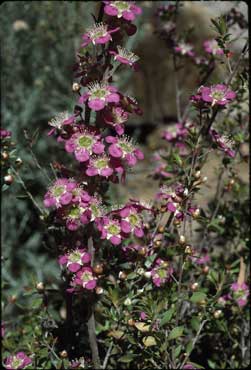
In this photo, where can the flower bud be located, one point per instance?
(40, 287)
(18, 162)
(63, 354)
(76, 87)
(202, 303)
(163, 209)
(147, 274)
(161, 229)
(99, 290)
(217, 314)
(194, 286)
(5, 156)
(142, 251)
(157, 244)
(122, 275)
(204, 179)
(196, 213)
(231, 182)
(185, 192)
(140, 271)
(182, 239)
(176, 222)
(205, 270)
(98, 269)
(131, 322)
(197, 175)
(127, 302)
(12, 299)
(8, 179)
(188, 249)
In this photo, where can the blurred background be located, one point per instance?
(39, 44)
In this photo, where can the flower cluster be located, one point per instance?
(18, 361)
(184, 49)
(98, 34)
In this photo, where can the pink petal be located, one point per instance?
(74, 267)
(98, 148)
(91, 171)
(113, 98)
(96, 104)
(82, 155)
(125, 226)
(115, 151)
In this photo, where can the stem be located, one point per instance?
(107, 356)
(91, 321)
(178, 93)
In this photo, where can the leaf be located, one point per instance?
(177, 351)
(127, 358)
(149, 341)
(195, 323)
(197, 297)
(167, 317)
(117, 334)
(142, 326)
(176, 332)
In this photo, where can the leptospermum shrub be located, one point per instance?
(159, 284)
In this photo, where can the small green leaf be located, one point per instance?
(197, 297)
(149, 341)
(167, 317)
(127, 358)
(176, 332)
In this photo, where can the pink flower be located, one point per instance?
(161, 272)
(125, 57)
(123, 148)
(99, 95)
(60, 193)
(85, 279)
(110, 229)
(5, 133)
(184, 49)
(212, 47)
(99, 166)
(143, 315)
(177, 132)
(84, 144)
(122, 9)
(240, 293)
(131, 221)
(217, 94)
(98, 34)
(115, 117)
(75, 259)
(62, 119)
(171, 199)
(18, 361)
(224, 143)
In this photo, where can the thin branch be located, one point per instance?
(107, 356)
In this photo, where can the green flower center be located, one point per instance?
(101, 163)
(113, 229)
(74, 213)
(94, 210)
(217, 95)
(133, 219)
(58, 190)
(162, 274)
(100, 94)
(16, 362)
(85, 141)
(86, 276)
(121, 5)
(74, 257)
(126, 147)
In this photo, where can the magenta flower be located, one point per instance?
(5, 133)
(75, 259)
(240, 293)
(85, 279)
(125, 56)
(98, 34)
(110, 229)
(60, 193)
(122, 9)
(217, 94)
(99, 95)
(116, 117)
(18, 361)
(161, 272)
(84, 144)
(171, 199)
(62, 119)
(223, 142)
(143, 315)
(184, 49)
(123, 148)
(131, 221)
(99, 166)
(212, 47)
(177, 132)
